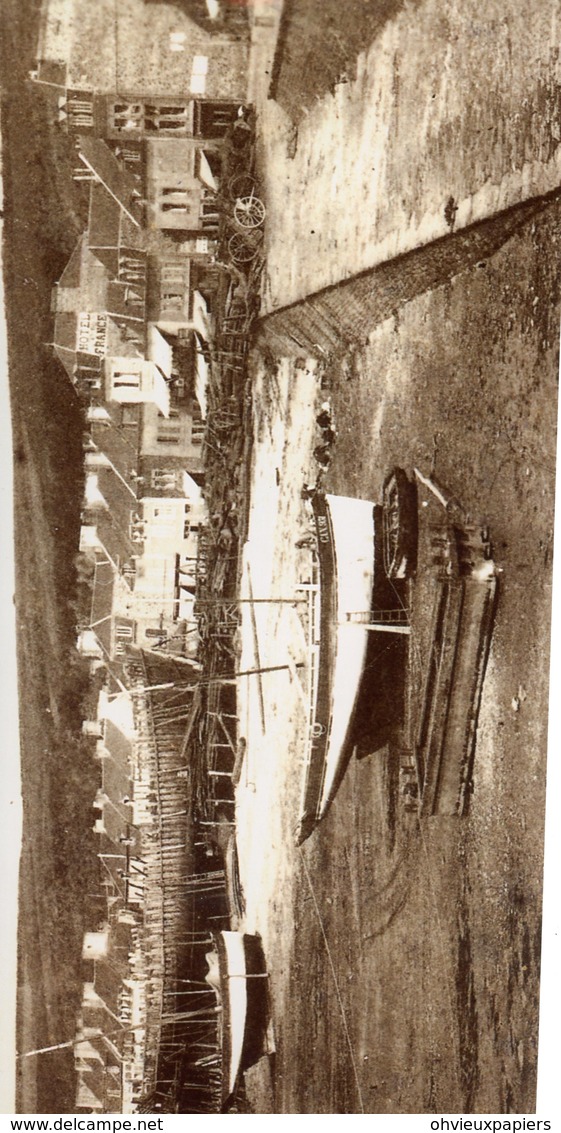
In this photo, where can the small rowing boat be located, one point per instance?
(238, 974)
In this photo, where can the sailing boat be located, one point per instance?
(345, 561)
(358, 542)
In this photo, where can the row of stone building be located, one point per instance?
(146, 92)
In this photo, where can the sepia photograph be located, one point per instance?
(282, 305)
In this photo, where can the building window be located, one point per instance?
(209, 215)
(168, 438)
(163, 480)
(178, 206)
(124, 632)
(132, 268)
(212, 119)
(132, 296)
(124, 635)
(170, 427)
(122, 380)
(172, 300)
(88, 381)
(209, 206)
(175, 206)
(174, 192)
(173, 286)
(79, 112)
(149, 118)
(127, 117)
(169, 119)
(197, 425)
(177, 40)
(172, 271)
(130, 156)
(129, 415)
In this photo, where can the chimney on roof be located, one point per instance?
(92, 728)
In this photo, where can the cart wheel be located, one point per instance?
(242, 185)
(239, 249)
(249, 211)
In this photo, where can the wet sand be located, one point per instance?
(404, 955)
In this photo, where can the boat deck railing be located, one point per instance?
(311, 611)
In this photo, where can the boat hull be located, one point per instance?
(242, 985)
(345, 549)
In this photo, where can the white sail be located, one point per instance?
(353, 532)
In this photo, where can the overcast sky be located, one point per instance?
(10, 791)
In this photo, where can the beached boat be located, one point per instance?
(459, 591)
(238, 974)
(363, 554)
(339, 623)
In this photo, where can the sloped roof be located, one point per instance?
(104, 226)
(119, 183)
(112, 868)
(119, 295)
(232, 18)
(85, 280)
(109, 257)
(118, 443)
(65, 329)
(121, 503)
(101, 610)
(102, 593)
(120, 747)
(72, 272)
(67, 359)
(86, 1097)
(115, 541)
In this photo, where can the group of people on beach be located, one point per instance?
(324, 420)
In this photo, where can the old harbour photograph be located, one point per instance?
(283, 300)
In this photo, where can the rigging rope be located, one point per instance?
(334, 974)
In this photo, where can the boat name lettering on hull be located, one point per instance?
(322, 528)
